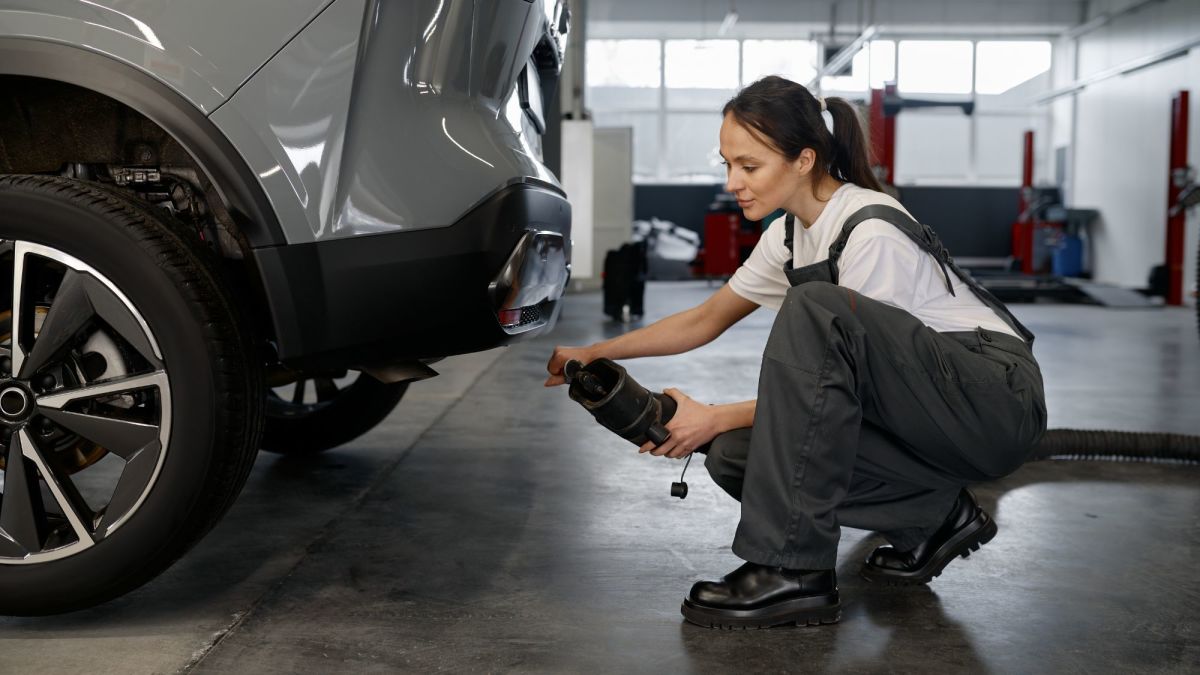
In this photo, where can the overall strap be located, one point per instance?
(928, 241)
(823, 270)
(789, 230)
(922, 235)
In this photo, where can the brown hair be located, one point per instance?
(789, 117)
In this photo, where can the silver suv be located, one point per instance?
(227, 225)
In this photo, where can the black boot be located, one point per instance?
(966, 529)
(757, 596)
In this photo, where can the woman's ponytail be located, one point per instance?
(851, 162)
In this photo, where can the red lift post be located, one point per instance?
(1022, 229)
(1027, 173)
(1177, 179)
(883, 136)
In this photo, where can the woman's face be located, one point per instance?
(762, 179)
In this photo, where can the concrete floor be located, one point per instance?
(489, 525)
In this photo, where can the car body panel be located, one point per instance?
(416, 138)
(289, 121)
(189, 45)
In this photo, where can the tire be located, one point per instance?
(299, 425)
(189, 425)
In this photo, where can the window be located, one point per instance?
(623, 74)
(623, 63)
(855, 81)
(1004, 65)
(621, 98)
(701, 75)
(935, 67)
(692, 146)
(873, 65)
(702, 64)
(883, 63)
(671, 92)
(793, 59)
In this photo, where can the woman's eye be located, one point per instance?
(749, 169)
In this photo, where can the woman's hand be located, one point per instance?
(559, 359)
(693, 425)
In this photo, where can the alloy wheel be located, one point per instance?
(85, 405)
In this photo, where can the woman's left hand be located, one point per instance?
(693, 425)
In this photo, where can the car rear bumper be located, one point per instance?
(495, 276)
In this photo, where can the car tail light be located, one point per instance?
(522, 316)
(510, 317)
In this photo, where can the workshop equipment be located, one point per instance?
(621, 405)
(1039, 229)
(1189, 198)
(624, 280)
(1180, 175)
(1069, 254)
(1050, 256)
(728, 238)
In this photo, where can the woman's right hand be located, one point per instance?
(559, 359)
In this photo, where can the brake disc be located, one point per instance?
(102, 356)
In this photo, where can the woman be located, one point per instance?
(889, 380)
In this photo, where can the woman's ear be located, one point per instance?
(804, 163)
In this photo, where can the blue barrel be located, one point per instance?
(1067, 260)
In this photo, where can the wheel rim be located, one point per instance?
(80, 371)
(299, 399)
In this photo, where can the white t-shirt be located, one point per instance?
(879, 261)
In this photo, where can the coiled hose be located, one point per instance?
(1084, 444)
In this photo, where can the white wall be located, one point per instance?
(1122, 135)
(613, 192)
(578, 176)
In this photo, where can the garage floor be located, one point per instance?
(489, 525)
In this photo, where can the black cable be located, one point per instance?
(680, 489)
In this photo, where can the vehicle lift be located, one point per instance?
(1042, 226)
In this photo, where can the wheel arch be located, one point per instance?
(211, 152)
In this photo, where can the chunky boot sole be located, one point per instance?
(974, 534)
(812, 611)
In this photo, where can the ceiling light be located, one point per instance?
(731, 18)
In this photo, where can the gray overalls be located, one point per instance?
(868, 418)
